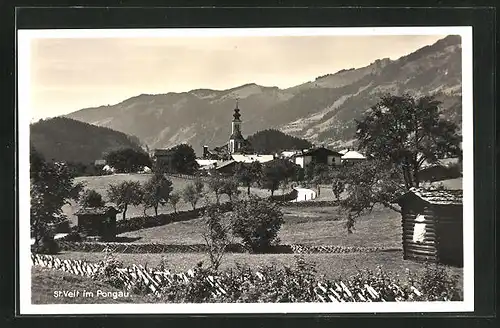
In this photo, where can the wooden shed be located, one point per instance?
(432, 223)
(97, 222)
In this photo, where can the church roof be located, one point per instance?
(236, 135)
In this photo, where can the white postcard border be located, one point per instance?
(24, 38)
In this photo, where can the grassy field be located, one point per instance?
(309, 225)
(45, 282)
(101, 184)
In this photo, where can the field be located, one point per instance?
(309, 225)
(101, 184)
(316, 225)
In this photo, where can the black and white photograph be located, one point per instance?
(241, 170)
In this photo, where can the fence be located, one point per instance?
(154, 281)
(202, 248)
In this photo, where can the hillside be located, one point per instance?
(322, 111)
(272, 141)
(64, 139)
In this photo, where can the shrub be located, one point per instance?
(47, 246)
(437, 284)
(257, 221)
(91, 198)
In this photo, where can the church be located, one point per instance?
(236, 144)
(236, 140)
(237, 149)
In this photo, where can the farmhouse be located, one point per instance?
(163, 156)
(319, 155)
(352, 156)
(97, 222)
(226, 167)
(432, 223)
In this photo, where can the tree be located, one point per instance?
(156, 191)
(183, 159)
(369, 183)
(257, 221)
(216, 184)
(338, 181)
(191, 194)
(248, 174)
(320, 175)
(127, 160)
(230, 188)
(408, 132)
(125, 194)
(276, 171)
(174, 200)
(91, 198)
(52, 186)
(216, 235)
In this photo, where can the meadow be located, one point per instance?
(313, 225)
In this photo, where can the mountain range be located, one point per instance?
(322, 111)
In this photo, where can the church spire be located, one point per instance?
(237, 114)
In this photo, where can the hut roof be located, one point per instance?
(96, 210)
(436, 196)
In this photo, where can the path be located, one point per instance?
(304, 194)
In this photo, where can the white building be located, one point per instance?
(317, 156)
(252, 158)
(353, 156)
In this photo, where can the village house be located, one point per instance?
(432, 222)
(352, 156)
(319, 155)
(163, 157)
(97, 222)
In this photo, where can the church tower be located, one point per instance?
(236, 140)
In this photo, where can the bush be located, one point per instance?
(47, 246)
(257, 221)
(437, 284)
(91, 198)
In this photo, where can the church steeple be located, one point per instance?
(236, 140)
(236, 114)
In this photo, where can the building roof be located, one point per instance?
(436, 196)
(236, 135)
(224, 164)
(252, 158)
(289, 153)
(343, 151)
(314, 151)
(96, 210)
(352, 154)
(204, 162)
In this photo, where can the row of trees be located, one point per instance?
(271, 175)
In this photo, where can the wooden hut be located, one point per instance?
(97, 222)
(432, 223)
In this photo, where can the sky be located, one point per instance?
(68, 74)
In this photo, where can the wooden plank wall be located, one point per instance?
(420, 251)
